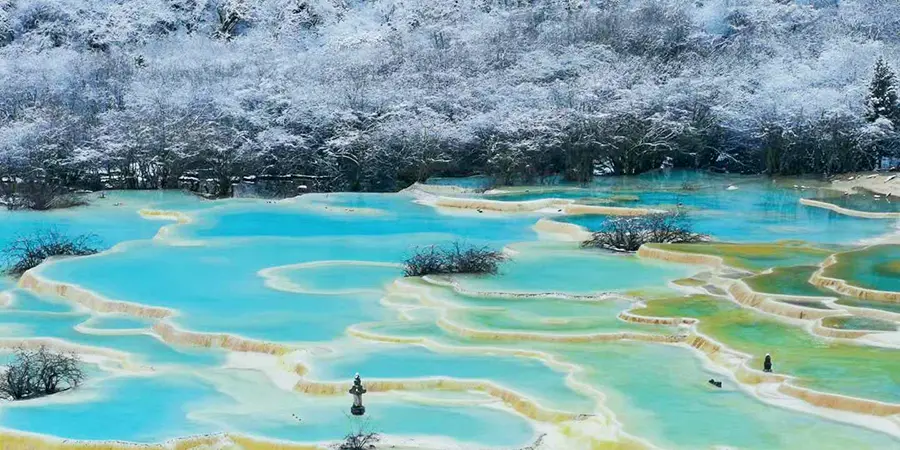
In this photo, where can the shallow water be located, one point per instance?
(876, 267)
(756, 257)
(574, 271)
(667, 396)
(253, 406)
(859, 323)
(746, 209)
(861, 201)
(832, 366)
(387, 361)
(790, 280)
(137, 409)
(320, 276)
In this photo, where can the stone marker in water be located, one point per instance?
(357, 391)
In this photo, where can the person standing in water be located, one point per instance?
(767, 364)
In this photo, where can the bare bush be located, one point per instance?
(361, 438)
(456, 258)
(38, 373)
(360, 441)
(627, 234)
(424, 261)
(39, 196)
(26, 252)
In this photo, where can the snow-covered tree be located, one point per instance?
(883, 95)
(378, 94)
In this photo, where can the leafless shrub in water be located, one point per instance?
(627, 234)
(38, 373)
(27, 251)
(455, 258)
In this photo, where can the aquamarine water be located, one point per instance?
(757, 212)
(341, 276)
(320, 275)
(668, 399)
(256, 407)
(574, 271)
(143, 348)
(391, 361)
(136, 409)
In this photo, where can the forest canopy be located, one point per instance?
(375, 95)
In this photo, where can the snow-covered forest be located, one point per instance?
(377, 94)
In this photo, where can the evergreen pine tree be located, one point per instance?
(883, 95)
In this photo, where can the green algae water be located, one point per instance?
(865, 371)
(876, 267)
(790, 280)
(246, 321)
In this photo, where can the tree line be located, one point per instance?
(373, 96)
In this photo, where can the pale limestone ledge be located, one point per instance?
(867, 312)
(609, 210)
(841, 286)
(275, 277)
(512, 399)
(837, 333)
(308, 202)
(11, 440)
(172, 335)
(167, 332)
(86, 328)
(649, 320)
(228, 441)
(21, 441)
(743, 294)
(849, 212)
(419, 189)
(558, 205)
(444, 281)
(650, 252)
(770, 304)
(875, 338)
(489, 335)
(155, 214)
(566, 231)
(841, 402)
(167, 232)
(498, 205)
(437, 196)
(32, 281)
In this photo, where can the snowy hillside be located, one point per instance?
(373, 95)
